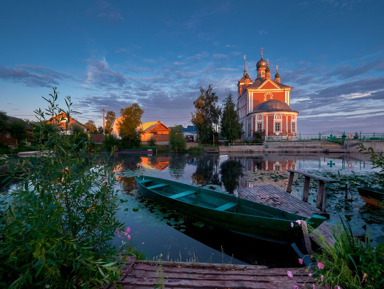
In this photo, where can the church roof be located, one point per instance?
(259, 81)
(272, 105)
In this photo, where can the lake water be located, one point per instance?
(159, 232)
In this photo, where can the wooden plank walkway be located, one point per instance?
(278, 198)
(149, 274)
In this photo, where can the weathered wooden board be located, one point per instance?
(149, 274)
(278, 198)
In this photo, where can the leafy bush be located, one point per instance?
(196, 150)
(56, 224)
(110, 142)
(351, 263)
(177, 141)
(152, 142)
(377, 160)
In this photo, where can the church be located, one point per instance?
(264, 105)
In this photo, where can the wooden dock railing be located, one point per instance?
(322, 191)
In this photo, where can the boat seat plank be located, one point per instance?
(182, 194)
(226, 206)
(158, 186)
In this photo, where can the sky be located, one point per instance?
(111, 54)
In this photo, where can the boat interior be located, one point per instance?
(208, 199)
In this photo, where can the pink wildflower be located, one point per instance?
(117, 232)
(298, 222)
(322, 278)
(300, 261)
(320, 265)
(313, 286)
(365, 275)
(310, 274)
(291, 224)
(142, 243)
(289, 273)
(337, 287)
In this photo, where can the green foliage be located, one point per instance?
(207, 114)
(3, 122)
(351, 263)
(56, 224)
(91, 127)
(377, 160)
(230, 126)
(152, 142)
(110, 142)
(196, 150)
(177, 141)
(41, 132)
(18, 129)
(128, 131)
(110, 118)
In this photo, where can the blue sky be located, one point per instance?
(159, 53)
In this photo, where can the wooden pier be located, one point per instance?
(189, 275)
(160, 274)
(278, 198)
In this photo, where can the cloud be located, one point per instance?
(100, 75)
(105, 10)
(122, 50)
(219, 55)
(33, 76)
(262, 32)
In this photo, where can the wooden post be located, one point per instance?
(290, 182)
(320, 193)
(307, 181)
(325, 197)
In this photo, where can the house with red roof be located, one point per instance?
(66, 123)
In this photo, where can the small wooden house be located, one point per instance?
(66, 123)
(156, 130)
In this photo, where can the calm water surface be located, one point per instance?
(160, 232)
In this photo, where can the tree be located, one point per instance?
(58, 221)
(18, 129)
(111, 116)
(129, 128)
(207, 114)
(230, 126)
(3, 122)
(177, 141)
(91, 127)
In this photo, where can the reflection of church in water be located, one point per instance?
(267, 163)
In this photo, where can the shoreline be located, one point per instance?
(310, 147)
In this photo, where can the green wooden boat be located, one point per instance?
(227, 211)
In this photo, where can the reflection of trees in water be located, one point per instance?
(206, 170)
(231, 171)
(153, 160)
(177, 165)
(128, 183)
(130, 162)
